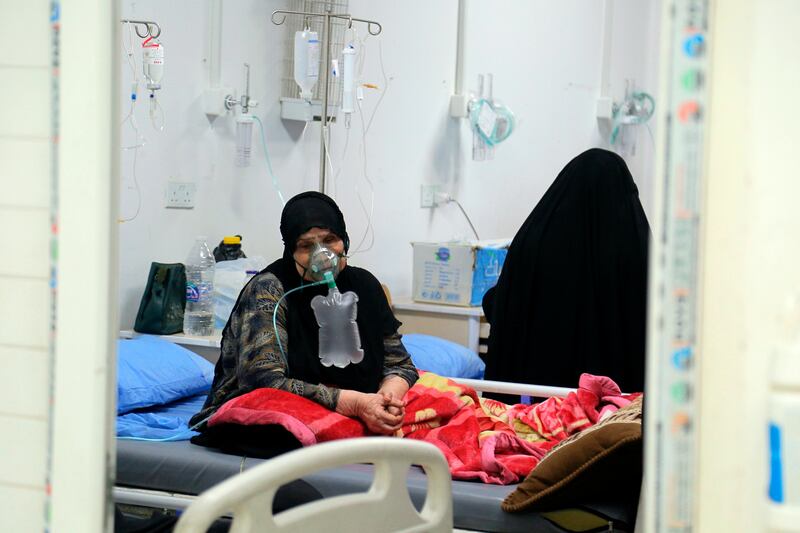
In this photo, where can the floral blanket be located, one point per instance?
(482, 439)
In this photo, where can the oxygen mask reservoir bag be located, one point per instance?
(336, 313)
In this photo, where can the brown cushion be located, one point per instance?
(602, 460)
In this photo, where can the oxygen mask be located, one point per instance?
(324, 263)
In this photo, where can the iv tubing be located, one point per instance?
(269, 163)
(327, 139)
(369, 230)
(138, 190)
(275, 317)
(365, 127)
(139, 140)
(385, 88)
(341, 164)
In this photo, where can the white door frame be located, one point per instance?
(83, 456)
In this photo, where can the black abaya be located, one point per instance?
(572, 294)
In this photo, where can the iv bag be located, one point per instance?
(339, 340)
(153, 65)
(306, 62)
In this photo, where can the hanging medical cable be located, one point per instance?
(334, 173)
(136, 188)
(341, 164)
(139, 140)
(326, 139)
(445, 198)
(132, 64)
(349, 75)
(129, 52)
(275, 184)
(471, 225)
(275, 317)
(352, 64)
(650, 134)
(370, 229)
(303, 132)
(385, 87)
(308, 161)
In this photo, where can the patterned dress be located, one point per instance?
(251, 357)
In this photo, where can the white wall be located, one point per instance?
(24, 294)
(546, 60)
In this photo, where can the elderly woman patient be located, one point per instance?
(372, 389)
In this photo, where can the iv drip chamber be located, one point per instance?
(348, 80)
(349, 67)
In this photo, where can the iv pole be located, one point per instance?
(326, 38)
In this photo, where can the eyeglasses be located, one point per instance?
(306, 245)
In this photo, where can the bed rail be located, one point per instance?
(386, 506)
(521, 389)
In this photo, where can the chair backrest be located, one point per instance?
(388, 293)
(385, 507)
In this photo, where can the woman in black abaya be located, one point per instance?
(252, 353)
(572, 294)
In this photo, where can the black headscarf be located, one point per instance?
(571, 297)
(308, 210)
(375, 318)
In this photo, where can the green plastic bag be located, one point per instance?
(163, 301)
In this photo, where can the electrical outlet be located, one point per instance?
(428, 195)
(180, 195)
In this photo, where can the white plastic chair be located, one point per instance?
(385, 507)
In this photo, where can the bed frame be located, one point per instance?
(466, 495)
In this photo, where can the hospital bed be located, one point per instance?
(171, 475)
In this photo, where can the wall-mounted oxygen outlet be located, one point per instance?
(428, 195)
(180, 195)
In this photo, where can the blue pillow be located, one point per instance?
(443, 357)
(152, 371)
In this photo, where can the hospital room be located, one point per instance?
(383, 266)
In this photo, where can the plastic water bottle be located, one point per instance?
(339, 341)
(198, 318)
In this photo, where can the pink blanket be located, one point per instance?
(480, 438)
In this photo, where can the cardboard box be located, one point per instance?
(456, 273)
